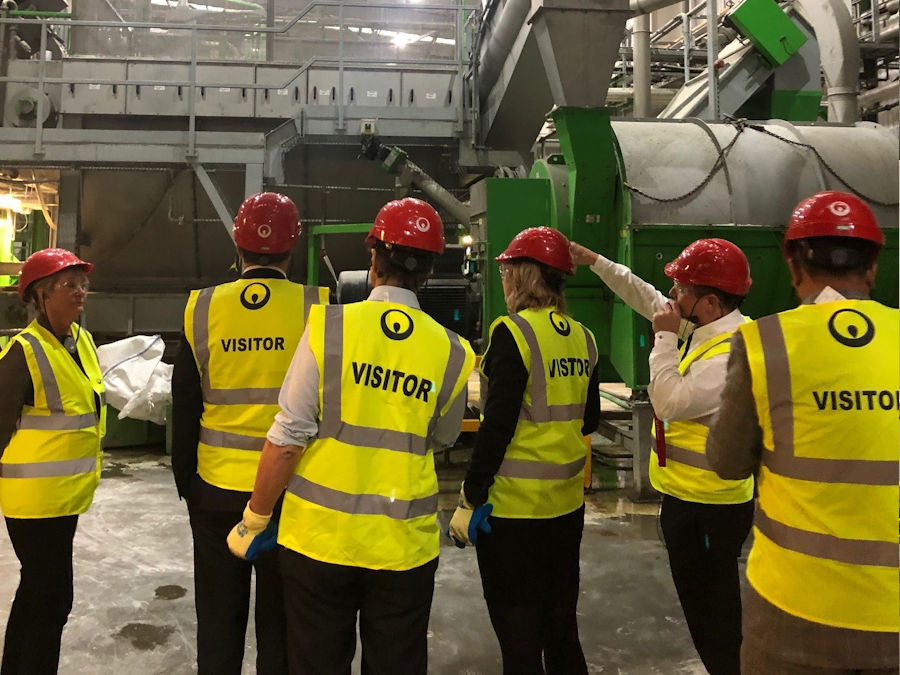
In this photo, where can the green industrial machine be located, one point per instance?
(582, 192)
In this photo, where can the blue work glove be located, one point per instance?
(468, 521)
(255, 534)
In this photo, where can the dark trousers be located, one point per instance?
(323, 600)
(44, 596)
(530, 575)
(704, 542)
(222, 596)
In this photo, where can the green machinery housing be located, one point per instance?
(583, 191)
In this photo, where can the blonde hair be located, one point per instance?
(529, 288)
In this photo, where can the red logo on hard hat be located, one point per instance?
(839, 208)
(264, 231)
(422, 224)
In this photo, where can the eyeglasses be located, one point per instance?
(74, 286)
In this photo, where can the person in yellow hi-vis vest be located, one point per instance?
(52, 419)
(810, 402)
(540, 393)
(374, 388)
(704, 519)
(238, 343)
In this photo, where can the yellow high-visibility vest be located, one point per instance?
(243, 335)
(365, 491)
(51, 466)
(541, 473)
(687, 474)
(825, 382)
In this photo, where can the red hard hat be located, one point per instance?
(543, 244)
(712, 262)
(833, 214)
(408, 222)
(45, 263)
(267, 222)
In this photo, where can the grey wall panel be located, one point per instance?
(429, 90)
(279, 101)
(158, 99)
(93, 98)
(222, 92)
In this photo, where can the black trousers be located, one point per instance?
(704, 542)
(530, 575)
(222, 596)
(44, 596)
(323, 600)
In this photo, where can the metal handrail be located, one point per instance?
(458, 64)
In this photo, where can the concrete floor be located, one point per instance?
(134, 610)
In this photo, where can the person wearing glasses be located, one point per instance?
(705, 519)
(52, 419)
(522, 500)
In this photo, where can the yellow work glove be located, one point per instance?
(253, 535)
(468, 521)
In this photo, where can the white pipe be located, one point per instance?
(712, 53)
(646, 6)
(883, 93)
(839, 54)
(641, 56)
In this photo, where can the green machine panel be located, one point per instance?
(646, 250)
(513, 205)
(770, 30)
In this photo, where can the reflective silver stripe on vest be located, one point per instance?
(456, 359)
(553, 413)
(331, 425)
(58, 422)
(698, 460)
(539, 410)
(244, 396)
(48, 377)
(366, 504)
(223, 439)
(781, 411)
(201, 336)
(519, 468)
(239, 396)
(64, 467)
(310, 298)
(826, 546)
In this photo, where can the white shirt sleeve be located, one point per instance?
(296, 423)
(447, 428)
(677, 397)
(642, 297)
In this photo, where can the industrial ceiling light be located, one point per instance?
(10, 203)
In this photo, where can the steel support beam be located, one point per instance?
(67, 225)
(215, 196)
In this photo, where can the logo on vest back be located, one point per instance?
(851, 328)
(396, 324)
(255, 296)
(560, 324)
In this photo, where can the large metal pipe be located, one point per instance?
(839, 54)
(641, 42)
(712, 53)
(647, 6)
(498, 40)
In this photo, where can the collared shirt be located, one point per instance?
(297, 421)
(734, 450)
(674, 397)
(698, 392)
